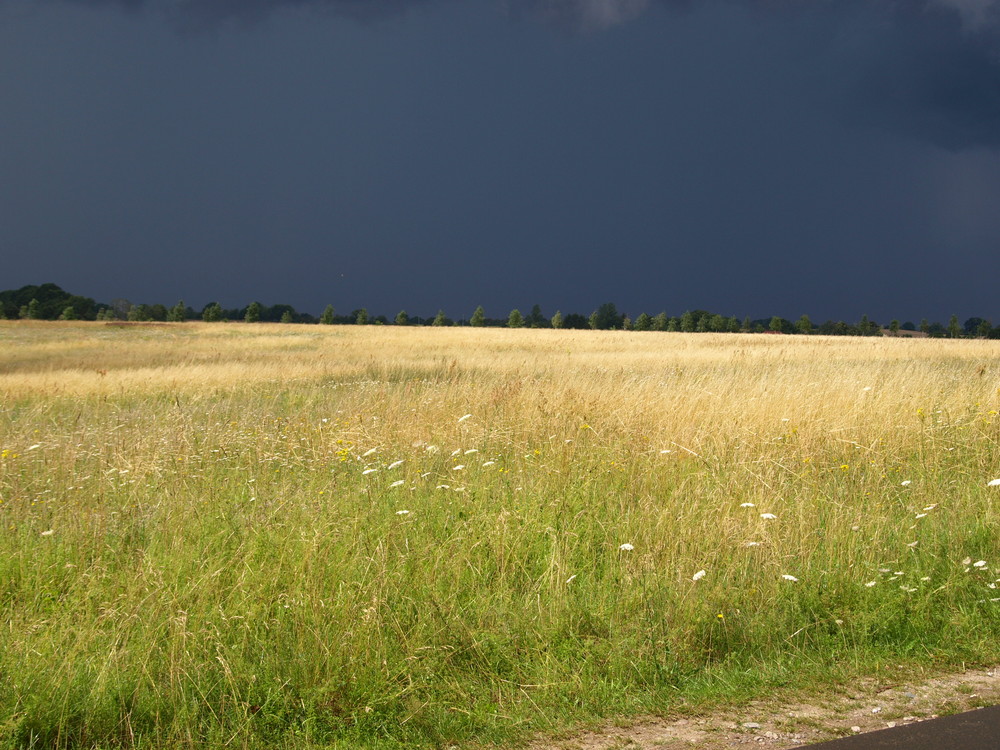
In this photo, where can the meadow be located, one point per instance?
(292, 536)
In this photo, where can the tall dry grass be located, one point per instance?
(368, 536)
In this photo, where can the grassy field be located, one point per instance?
(358, 537)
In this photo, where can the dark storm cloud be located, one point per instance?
(929, 69)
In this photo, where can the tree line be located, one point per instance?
(50, 302)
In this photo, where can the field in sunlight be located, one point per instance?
(365, 536)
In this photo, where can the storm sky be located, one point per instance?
(750, 157)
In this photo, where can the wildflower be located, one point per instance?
(931, 507)
(369, 452)
(464, 417)
(471, 450)
(967, 561)
(369, 471)
(397, 483)
(921, 515)
(570, 579)
(905, 483)
(991, 483)
(747, 505)
(48, 532)
(456, 452)
(870, 584)
(663, 452)
(489, 463)
(845, 467)
(866, 388)
(787, 577)
(752, 544)
(768, 516)
(458, 468)
(979, 564)
(432, 449)
(444, 487)
(396, 464)
(912, 544)
(698, 576)
(626, 547)
(402, 512)
(33, 447)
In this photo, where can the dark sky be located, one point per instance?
(750, 157)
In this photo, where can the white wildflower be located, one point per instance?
(752, 544)
(444, 487)
(570, 579)
(456, 452)
(787, 577)
(912, 544)
(626, 547)
(369, 471)
(432, 449)
(369, 452)
(458, 468)
(396, 464)
(747, 505)
(979, 564)
(402, 512)
(489, 463)
(991, 483)
(33, 447)
(48, 532)
(768, 516)
(463, 418)
(906, 483)
(698, 576)
(870, 584)
(967, 561)
(921, 515)
(397, 483)
(471, 450)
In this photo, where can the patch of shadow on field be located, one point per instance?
(867, 706)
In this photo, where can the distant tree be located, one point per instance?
(557, 320)
(326, 317)
(804, 325)
(894, 327)
(478, 319)
(535, 318)
(606, 317)
(515, 319)
(936, 331)
(361, 317)
(176, 313)
(953, 329)
(575, 321)
(733, 325)
(439, 319)
(659, 322)
(643, 322)
(688, 322)
(402, 319)
(908, 326)
(286, 317)
(868, 327)
(141, 313)
(69, 313)
(983, 329)
(32, 310)
(212, 313)
(925, 327)
(253, 313)
(971, 326)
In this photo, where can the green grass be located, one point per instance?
(221, 571)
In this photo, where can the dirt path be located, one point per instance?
(768, 723)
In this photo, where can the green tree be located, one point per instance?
(176, 314)
(515, 319)
(141, 313)
(804, 325)
(212, 313)
(326, 317)
(253, 313)
(402, 319)
(606, 317)
(535, 318)
(286, 316)
(557, 320)
(69, 313)
(478, 318)
(439, 319)
(894, 327)
(31, 311)
(953, 328)
(984, 329)
(361, 318)
(643, 322)
(925, 327)
(688, 322)
(659, 322)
